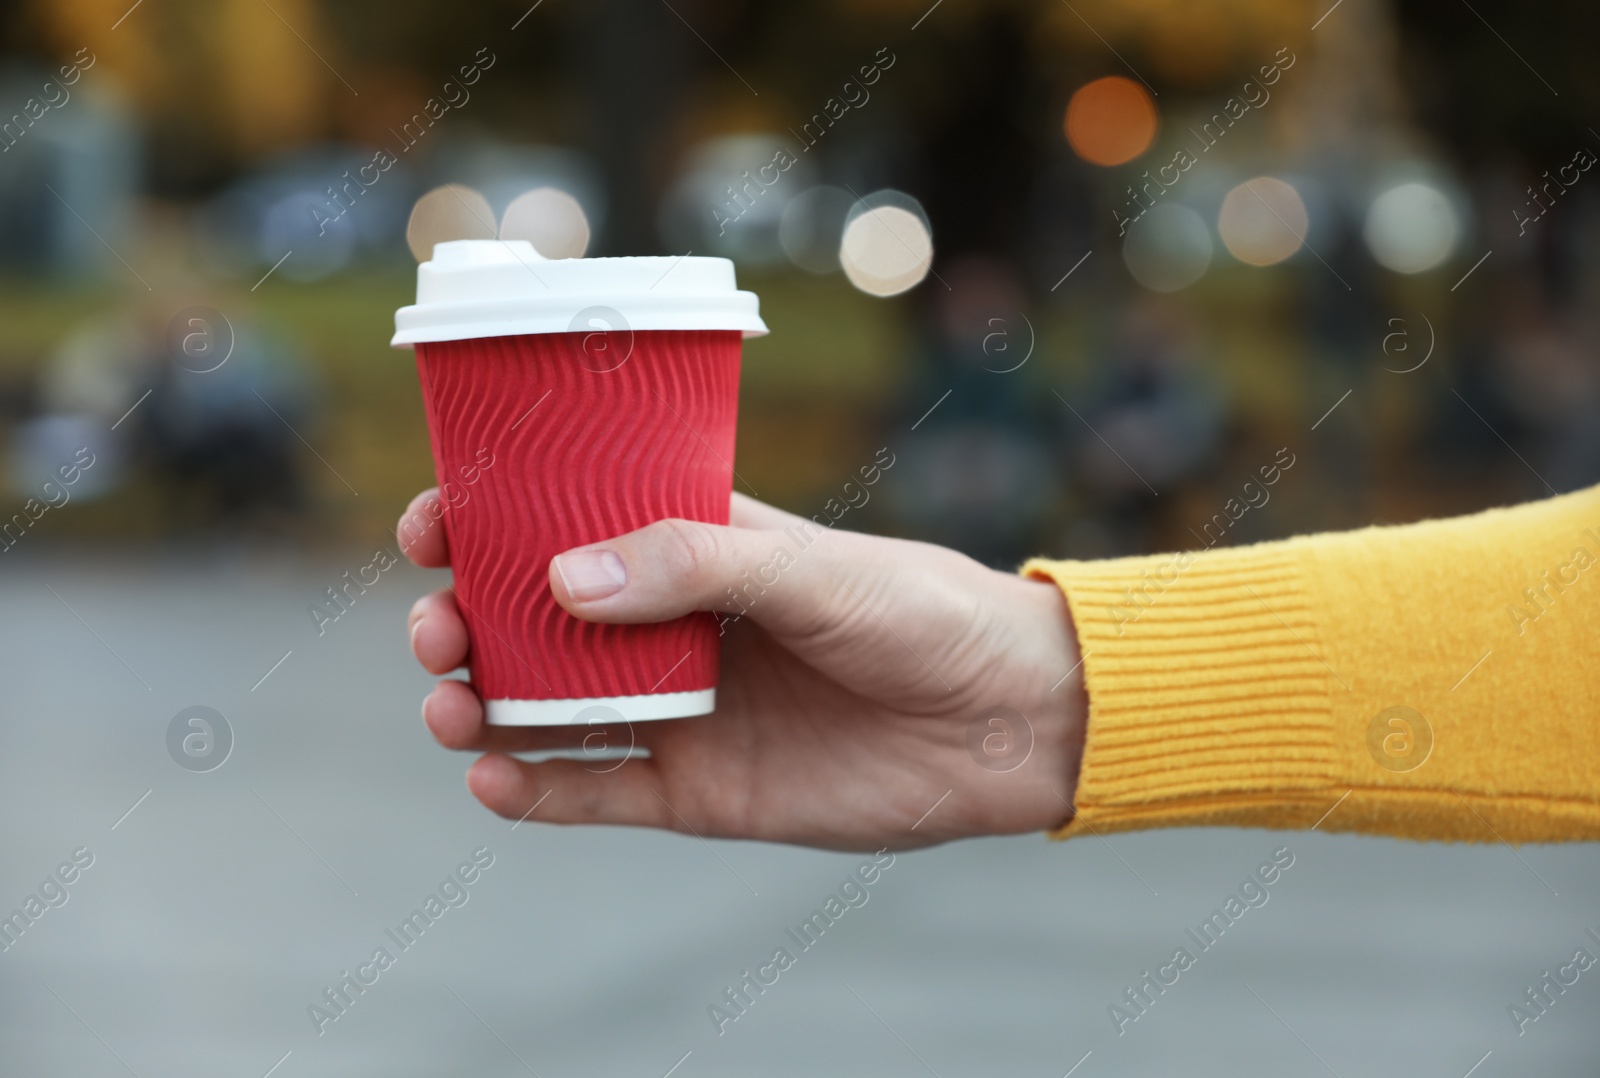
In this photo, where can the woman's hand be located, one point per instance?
(869, 698)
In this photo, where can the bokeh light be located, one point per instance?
(1111, 121)
(550, 219)
(451, 212)
(1411, 228)
(729, 195)
(886, 250)
(1263, 221)
(1168, 249)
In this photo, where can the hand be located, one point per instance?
(853, 706)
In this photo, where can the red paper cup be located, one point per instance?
(545, 441)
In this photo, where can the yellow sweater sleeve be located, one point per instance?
(1432, 681)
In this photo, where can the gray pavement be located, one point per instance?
(225, 903)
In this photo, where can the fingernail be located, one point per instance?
(591, 574)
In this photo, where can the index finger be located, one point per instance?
(421, 531)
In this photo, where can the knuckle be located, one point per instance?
(692, 550)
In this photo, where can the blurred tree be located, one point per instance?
(634, 66)
(217, 81)
(1190, 44)
(1499, 75)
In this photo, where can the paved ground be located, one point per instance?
(221, 907)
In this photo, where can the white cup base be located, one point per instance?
(571, 712)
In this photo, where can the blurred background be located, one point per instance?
(1128, 253)
(1109, 391)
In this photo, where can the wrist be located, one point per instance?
(1065, 704)
(1042, 677)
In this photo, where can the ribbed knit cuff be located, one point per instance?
(1209, 698)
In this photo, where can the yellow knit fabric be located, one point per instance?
(1254, 686)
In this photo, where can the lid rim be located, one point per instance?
(424, 336)
(474, 289)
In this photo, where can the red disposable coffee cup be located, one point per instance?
(568, 402)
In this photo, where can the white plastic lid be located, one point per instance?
(499, 288)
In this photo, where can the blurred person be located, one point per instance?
(225, 437)
(1254, 686)
(1525, 377)
(1148, 420)
(102, 368)
(213, 426)
(90, 382)
(975, 464)
(1546, 374)
(1340, 302)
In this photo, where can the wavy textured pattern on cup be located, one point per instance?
(600, 454)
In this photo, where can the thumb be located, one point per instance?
(784, 579)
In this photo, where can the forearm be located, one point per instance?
(1255, 686)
